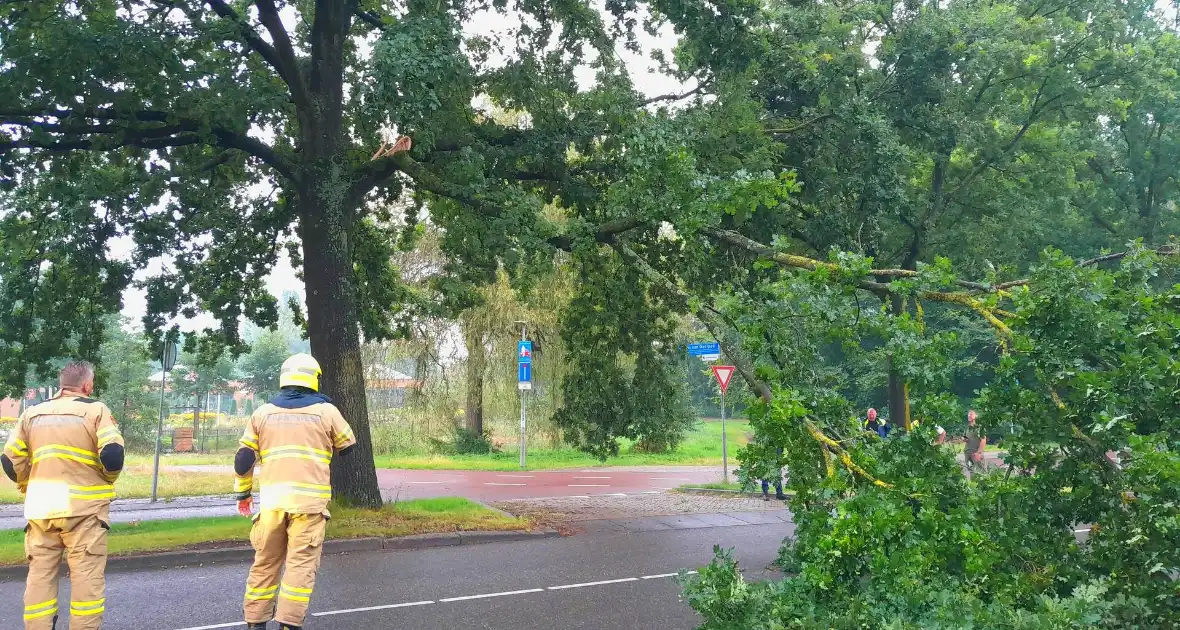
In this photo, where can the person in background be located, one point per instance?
(941, 439)
(778, 485)
(976, 443)
(876, 425)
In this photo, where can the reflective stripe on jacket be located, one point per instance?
(54, 451)
(295, 448)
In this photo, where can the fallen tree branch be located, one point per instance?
(709, 317)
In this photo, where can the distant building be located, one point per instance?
(386, 387)
(11, 408)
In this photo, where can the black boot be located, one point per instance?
(283, 626)
(256, 626)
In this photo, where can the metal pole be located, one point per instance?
(159, 432)
(523, 405)
(724, 443)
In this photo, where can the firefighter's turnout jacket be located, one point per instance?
(65, 455)
(294, 437)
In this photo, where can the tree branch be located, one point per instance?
(173, 131)
(371, 18)
(801, 126)
(265, 50)
(707, 316)
(676, 97)
(268, 13)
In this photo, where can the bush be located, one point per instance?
(465, 442)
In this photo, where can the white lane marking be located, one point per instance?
(665, 575)
(584, 584)
(670, 479)
(576, 496)
(518, 476)
(591, 477)
(588, 485)
(651, 492)
(615, 494)
(345, 611)
(502, 484)
(487, 595)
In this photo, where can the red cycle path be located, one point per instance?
(532, 484)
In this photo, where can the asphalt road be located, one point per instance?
(546, 584)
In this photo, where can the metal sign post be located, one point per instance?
(167, 361)
(723, 374)
(524, 382)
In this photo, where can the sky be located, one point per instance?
(281, 280)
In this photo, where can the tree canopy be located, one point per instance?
(864, 184)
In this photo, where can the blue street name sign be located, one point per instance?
(524, 364)
(704, 349)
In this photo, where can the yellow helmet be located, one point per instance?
(301, 370)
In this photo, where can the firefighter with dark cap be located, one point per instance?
(64, 455)
(294, 438)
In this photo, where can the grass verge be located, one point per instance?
(716, 486)
(701, 447)
(423, 516)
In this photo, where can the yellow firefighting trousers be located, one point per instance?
(84, 541)
(277, 536)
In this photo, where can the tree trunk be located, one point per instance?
(476, 360)
(899, 403)
(334, 334)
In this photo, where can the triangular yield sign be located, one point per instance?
(723, 374)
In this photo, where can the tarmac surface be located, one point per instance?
(616, 575)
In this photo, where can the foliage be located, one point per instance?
(261, 366)
(620, 381)
(835, 137)
(465, 442)
(1091, 371)
(124, 386)
(195, 377)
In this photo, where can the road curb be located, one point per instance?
(200, 557)
(723, 493)
(714, 491)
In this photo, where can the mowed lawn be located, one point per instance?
(702, 447)
(423, 516)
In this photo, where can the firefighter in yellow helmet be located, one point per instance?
(294, 437)
(65, 455)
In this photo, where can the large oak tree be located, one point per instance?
(217, 135)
